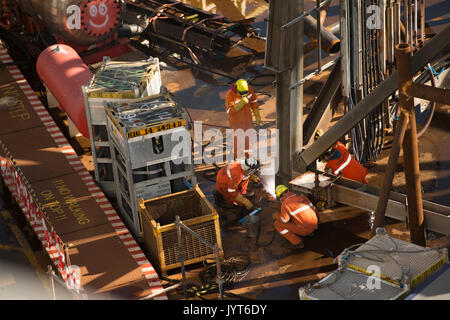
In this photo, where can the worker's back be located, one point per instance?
(228, 180)
(342, 161)
(300, 210)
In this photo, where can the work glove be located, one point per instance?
(238, 106)
(243, 200)
(257, 117)
(255, 178)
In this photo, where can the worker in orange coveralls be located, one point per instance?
(339, 160)
(298, 217)
(232, 182)
(240, 102)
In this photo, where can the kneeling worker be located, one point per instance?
(298, 216)
(339, 160)
(232, 182)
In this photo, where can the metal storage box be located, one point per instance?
(143, 134)
(142, 128)
(160, 233)
(400, 262)
(115, 81)
(351, 285)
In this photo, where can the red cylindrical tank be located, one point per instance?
(64, 72)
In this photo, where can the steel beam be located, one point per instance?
(365, 197)
(320, 114)
(397, 210)
(370, 102)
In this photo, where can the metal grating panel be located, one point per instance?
(351, 285)
(436, 287)
(396, 259)
(193, 248)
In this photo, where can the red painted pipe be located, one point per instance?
(64, 72)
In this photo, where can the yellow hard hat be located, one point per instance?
(242, 86)
(279, 190)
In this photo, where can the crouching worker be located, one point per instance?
(298, 217)
(232, 182)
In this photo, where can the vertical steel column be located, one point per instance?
(397, 23)
(289, 102)
(319, 39)
(410, 147)
(422, 21)
(296, 94)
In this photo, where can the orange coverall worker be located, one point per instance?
(231, 181)
(298, 217)
(342, 161)
(241, 119)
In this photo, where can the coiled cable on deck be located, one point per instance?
(233, 270)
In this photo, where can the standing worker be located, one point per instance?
(232, 182)
(298, 217)
(339, 160)
(240, 102)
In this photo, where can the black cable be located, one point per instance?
(233, 269)
(258, 237)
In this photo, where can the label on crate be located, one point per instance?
(157, 128)
(113, 95)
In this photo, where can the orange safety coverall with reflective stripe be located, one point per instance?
(231, 181)
(241, 119)
(342, 161)
(298, 217)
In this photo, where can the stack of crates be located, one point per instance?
(115, 81)
(151, 152)
(397, 266)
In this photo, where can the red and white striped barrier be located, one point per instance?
(35, 217)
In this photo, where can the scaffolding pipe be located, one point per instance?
(428, 93)
(319, 39)
(390, 171)
(328, 41)
(410, 147)
(303, 15)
